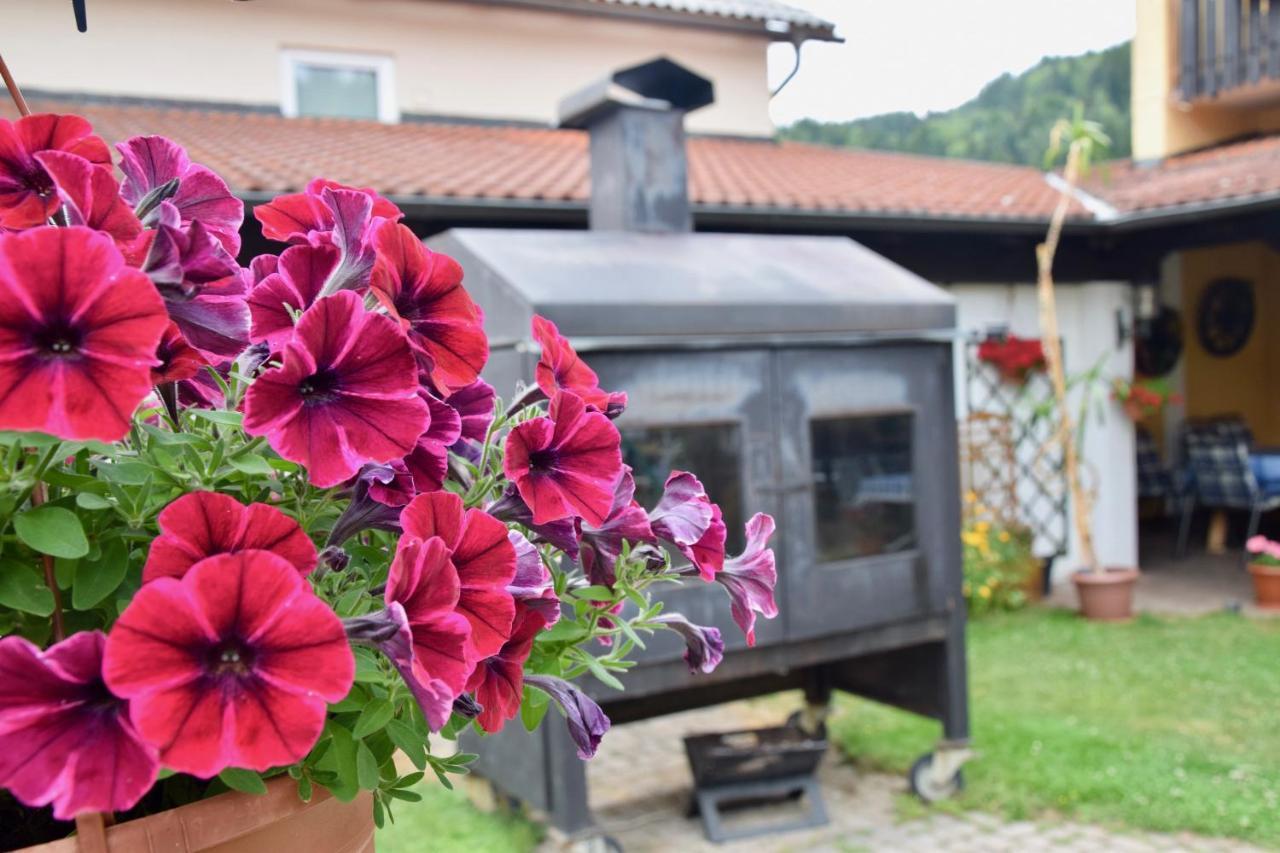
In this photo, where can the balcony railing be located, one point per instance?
(1225, 46)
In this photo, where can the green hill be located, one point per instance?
(1008, 121)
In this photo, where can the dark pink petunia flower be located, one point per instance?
(232, 666)
(428, 463)
(586, 720)
(378, 494)
(483, 557)
(295, 218)
(475, 406)
(178, 359)
(425, 289)
(390, 632)
(27, 194)
(498, 680)
(424, 581)
(390, 484)
(90, 195)
(346, 394)
(561, 369)
(202, 524)
(687, 519)
(78, 334)
(566, 464)
(151, 162)
(64, 738)
(704, 647)
(533, 586)
(627, 521)
(291, 289)
(751, 577)
(563, 533)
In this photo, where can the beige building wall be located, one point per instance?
(450, 58)
(1162, 123)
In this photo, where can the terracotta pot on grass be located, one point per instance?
(239, 823)
(1266, 586)
(1106, 596)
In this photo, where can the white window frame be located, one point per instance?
(383, 67)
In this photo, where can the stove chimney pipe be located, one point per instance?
(639, 169)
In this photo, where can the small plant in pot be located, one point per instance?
(1264, 569)
(265, 528)
(1105, 593)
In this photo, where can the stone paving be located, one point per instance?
(647, 813)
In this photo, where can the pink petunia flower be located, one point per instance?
(687, 519)
(202, 524)
(90, 195)
(563, 533)
(561, 369)
(149, 163)
(292, 288)
(428, 462)
(483, 558)
(27, 194)
(585, 718)
(566, 464)
(232, 666)
(474, 405)
(425, 290)
(751, 577)
(346, 394)
(64, 738)
(424, 581)
(498, 680)
(297, 217)
(704, 647)
(390, 632)
(533, 586)
(178, 359)
(78, 334)
(627, 522)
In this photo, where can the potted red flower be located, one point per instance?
(1014, 358)
(1142, 398)
(1264, 569)
(266, 526)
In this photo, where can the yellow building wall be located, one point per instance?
(1247, 383)
(1162, 125)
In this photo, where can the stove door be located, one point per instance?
(710, 413)
(868, 485)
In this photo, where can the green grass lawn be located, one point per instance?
(1159, 724)
(446, 822)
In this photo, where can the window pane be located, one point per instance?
(863, 496)
(711, 452)
(336, 92)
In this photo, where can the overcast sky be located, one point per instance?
(923, 55)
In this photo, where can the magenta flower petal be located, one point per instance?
(752, 577)
(563, 533)
(178, 359)
(474, 404)
(232, 666)
(586, 720)
(560, 369)
(483, 557)
(90, 194)
(566, 464)
(498, 680)
(202, 524)
(433, 695)
(428, 463)
(295, 218)
(27, 194)
(149, 162)
(64, 738)
(687, 519)
(295, 285)
(704, 647)
(346, 394)
(425, 289)
(626, 522)
(78, 334)
(532, 586)
(424, 581)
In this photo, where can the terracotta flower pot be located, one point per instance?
(241, 823)
(1266, 586)
(1106, 596)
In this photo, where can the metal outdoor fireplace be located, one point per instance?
(805, 377)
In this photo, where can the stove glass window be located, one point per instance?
(711, 452)
(863, 491)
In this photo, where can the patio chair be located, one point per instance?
(1155, 479)
(1222, 478)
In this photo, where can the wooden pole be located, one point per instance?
(14, 91)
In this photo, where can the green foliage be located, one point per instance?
(1160, 724)
(1010, 119)
(998, 566)
(445, 822)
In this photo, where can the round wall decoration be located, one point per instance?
(1226, 316)
(1158, 345)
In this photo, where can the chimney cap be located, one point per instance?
(659, 84)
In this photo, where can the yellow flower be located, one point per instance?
(984, 591)
(980, 509)
(972, 539)
(1004, 536)
(982, 526)
(970, 496)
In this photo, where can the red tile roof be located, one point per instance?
(264, 153)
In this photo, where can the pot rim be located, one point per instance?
(1263, 569)
(1109, 575)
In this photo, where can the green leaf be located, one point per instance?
(251, 464)
(341, 758)
(96, 579)
(52, 530)
(367, 668)
(90, 501)
(379, 817)
(22, 588)
(564, 631)
(408, 741)
(593, 593)
(602, 674)
(407, 796)
(28, 439)
(126, 473)
(218, 416)
(533, 707)
(304, 789)
(239, 779)
(366, 766)
(373, 718)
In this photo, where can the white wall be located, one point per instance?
(451, 58)
(1087, 317)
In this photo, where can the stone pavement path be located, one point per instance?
(640, 787)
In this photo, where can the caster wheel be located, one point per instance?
(924, 786)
